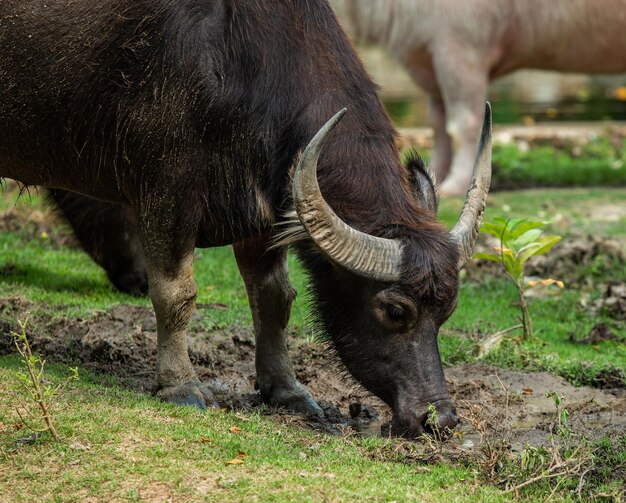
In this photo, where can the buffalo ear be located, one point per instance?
(422, 183)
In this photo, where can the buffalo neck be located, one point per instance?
(289, 80)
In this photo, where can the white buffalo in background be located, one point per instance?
(454, 48)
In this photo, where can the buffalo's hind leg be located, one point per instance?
(108, 233)
(270, 295)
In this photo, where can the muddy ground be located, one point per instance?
(512, 404)
(122, 342)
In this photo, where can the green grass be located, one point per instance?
(64, 277)
(489, 306)
(599, 162)
(141, 449)
(32, 266)
(120, 445)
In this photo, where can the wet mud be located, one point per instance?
(122, 342)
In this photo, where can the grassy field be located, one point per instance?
(118, 444)
(601, 161)
(486, 306)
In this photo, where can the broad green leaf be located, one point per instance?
(542, 245)
(488, 256)
(499, 220)
(547, 242)
(499, 227)
(504, 228)
(527, 251)
(526, 238)
(513, 223)
(525, 226)
(493, 229)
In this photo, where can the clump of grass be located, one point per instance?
(34, 391)
(600, 162)
(494, 442)
(564, 460)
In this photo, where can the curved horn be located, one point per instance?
(466, 230)
(369, 256)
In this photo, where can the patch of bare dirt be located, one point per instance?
(607, 213)
(516, 402)
(577, 261)
(122, 342)
(613, 301)
(574, 259)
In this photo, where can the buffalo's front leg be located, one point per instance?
(441, 159)
(270, 295)
(169, 260)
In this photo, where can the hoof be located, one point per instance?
(295, 398)
(190, 393)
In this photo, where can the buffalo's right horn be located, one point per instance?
(466, 230)
(369, 256)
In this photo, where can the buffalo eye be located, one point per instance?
(396, 312)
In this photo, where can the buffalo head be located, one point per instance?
(382, 300)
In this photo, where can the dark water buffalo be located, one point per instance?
(185, 121)
(454, 48)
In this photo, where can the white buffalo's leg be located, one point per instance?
(270, 295)
(169, 246)
(463, 82)
(441, 159)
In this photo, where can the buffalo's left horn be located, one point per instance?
(466, 230)
(369, 256)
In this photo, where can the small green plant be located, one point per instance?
(561, 427)
(520, 239)
(33, 388)
(432, 420)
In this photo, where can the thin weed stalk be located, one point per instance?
(32, 386)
